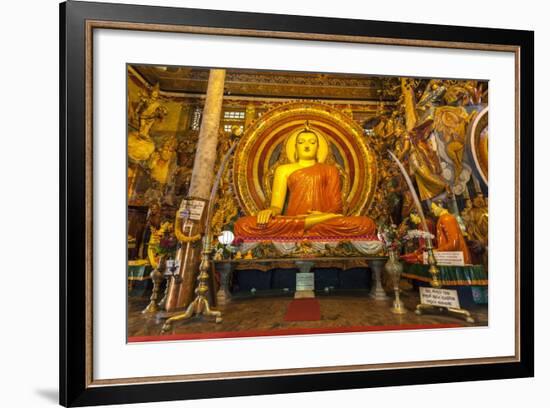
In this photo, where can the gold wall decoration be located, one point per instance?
(261, 149)
(225, 211)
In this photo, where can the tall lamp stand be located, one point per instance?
(200, 305)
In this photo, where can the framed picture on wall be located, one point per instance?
(257, 203)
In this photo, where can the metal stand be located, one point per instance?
(157, 275)
(377, 291)
(200, 305)
(394, 268)
(422, 309)
(398, 306)
(434, 270)
(172, 268)
(436, 283)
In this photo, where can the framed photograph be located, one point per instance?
(256, 204)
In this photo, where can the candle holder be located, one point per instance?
(433, 269)
(168, 273)
(156, 276)
(200, 306)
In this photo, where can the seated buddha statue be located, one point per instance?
(306, 199)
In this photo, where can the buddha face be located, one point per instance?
(307, 146)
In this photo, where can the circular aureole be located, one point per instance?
(264, 144)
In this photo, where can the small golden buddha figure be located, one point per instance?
(448, 233)
(306, 198)
(149, 110)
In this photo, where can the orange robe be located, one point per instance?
(315, 188)
(449, 237)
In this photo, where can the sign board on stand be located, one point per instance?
(192, 209)
(447, 298)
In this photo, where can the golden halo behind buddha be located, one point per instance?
(290, 144)
(271, 141)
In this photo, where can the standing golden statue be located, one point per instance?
(306, 199)
(161, 162)
(424, 165)
(149, 110)
(423, 161)
(451, 123)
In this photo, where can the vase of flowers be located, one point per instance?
(393, 237)
(394, 268)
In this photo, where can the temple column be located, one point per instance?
(180, 293)
(205, 157)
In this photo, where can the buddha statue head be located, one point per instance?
(307, 144)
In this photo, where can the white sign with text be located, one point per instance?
(192, 209)
(439, 297)
(451, 258)
(305, 281)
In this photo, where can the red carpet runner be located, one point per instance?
(301, 310)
